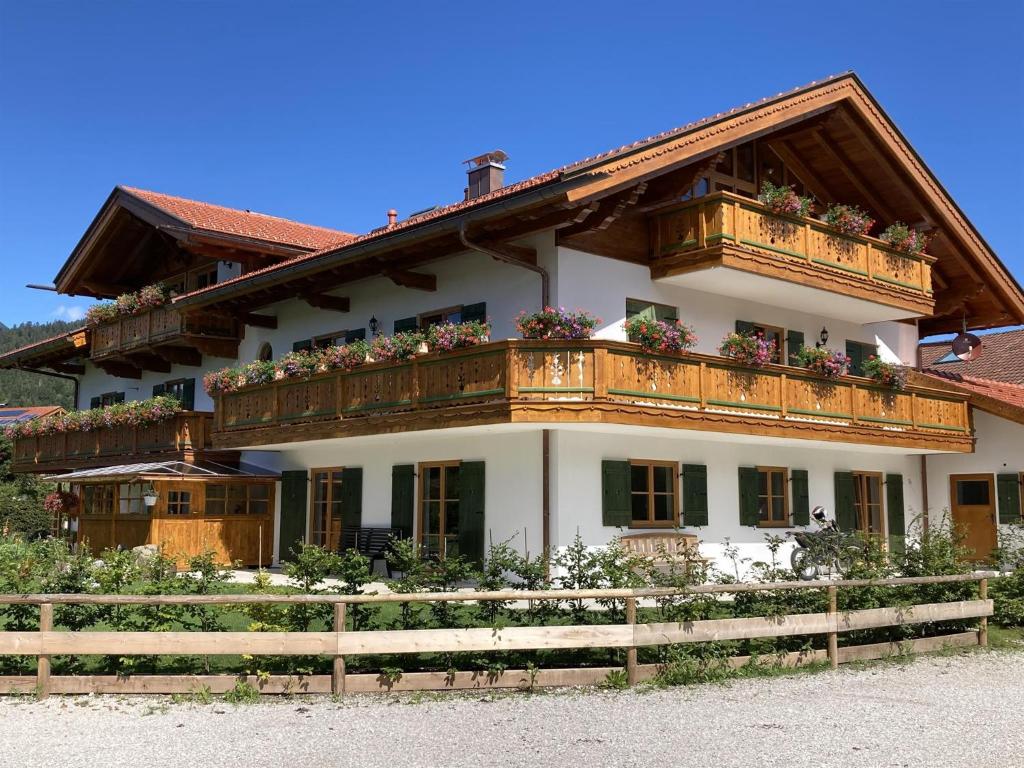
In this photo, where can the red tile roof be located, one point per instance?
(1002, 358)
(259, 226)
(11, 414)
(512, 189)
(1011, 394)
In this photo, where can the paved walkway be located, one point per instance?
(938, 712)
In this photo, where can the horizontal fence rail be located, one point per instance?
(339, 643)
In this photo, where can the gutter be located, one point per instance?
(545, 278)
(56, 375)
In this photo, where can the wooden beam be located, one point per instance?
(69, 368)
(855, 177)
(119, 370)
(325, 301)
(105, 289)
(669, 189)
(792, 160)
(407, 279)
(148, 361)
(215, 347)
(258, 321)
(180, 355)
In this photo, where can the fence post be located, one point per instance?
(833, 636)
(43, 661)
(983, 628)
(338, 673)
(631, 672)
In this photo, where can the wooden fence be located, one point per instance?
(339, 643)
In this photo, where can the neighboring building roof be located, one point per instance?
(54, 347)
(164, 470)
(15, 414)
(1002, 358)
(996, 397)
(231, 221)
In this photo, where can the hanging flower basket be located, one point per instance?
(823, 361)
(887, 374)
(665, 336)
(748, 349)
(60, 503)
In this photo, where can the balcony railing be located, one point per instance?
(160, 325)
(692, 234)
(189, 430)
(589, 381)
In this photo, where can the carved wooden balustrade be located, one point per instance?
(589, 381)
(157, 326)
(186, 431)
(734, 231)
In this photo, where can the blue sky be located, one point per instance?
(332, 113)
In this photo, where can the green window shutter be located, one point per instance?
(403, 501)
(801, 509)
(695, 495)
(94, 402)
(406, 324)
(846, 512)
(471, 511)
(616, 507)
(894, 512)
(749, 512)
(294, 486)
(1008, 493)
(188, 395)
(475, 312)
(302, 346)
(351, 498)
(743, 326)
(794, 340)
(159, 389)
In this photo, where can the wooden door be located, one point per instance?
(973, 502)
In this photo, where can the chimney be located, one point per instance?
(486, 173)
(392, 217)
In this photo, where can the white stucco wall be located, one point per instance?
(999, 449)
(97, 382)
(602, 285)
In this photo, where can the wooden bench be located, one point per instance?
(373, 543)
(664, 547)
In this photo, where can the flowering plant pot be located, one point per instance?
(665, 336)
(131, 414)
(748, 349)
(396, 348)
(552, 323)
(448, 336)
(127, 304)
(60, 503)
(823, 361)
(849, 219)
(904, 239)
(888, 374)
(784, 200)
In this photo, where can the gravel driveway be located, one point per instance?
(938, 711)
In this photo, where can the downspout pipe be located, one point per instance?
(545, 278)
(56, 375)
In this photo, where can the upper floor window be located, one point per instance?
(106, 399)
(333, 339)
(741, 171)
(769, 333)
(858, 352)
(202, 278)
(650, 310)
(463, 313)
(182, 390)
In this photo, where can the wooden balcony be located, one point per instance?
(728, 231)
(175, 438)
(166, 334)
(609, 382)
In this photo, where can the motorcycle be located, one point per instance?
(828, 547)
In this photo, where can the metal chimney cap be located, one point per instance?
(497, 157)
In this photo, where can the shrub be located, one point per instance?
(448, 336)
(849, 219)
(748, 349)
(784, 200)
(665, 336)
(888, 374)
(551, 323)
(904, 239)
(825, 362)
(1008, 596)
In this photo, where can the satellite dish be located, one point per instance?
(967, 346)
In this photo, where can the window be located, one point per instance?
(338, 338)
(182, 390)
(769, 332)
(867, 502)
(106, 399)
(460, 314)
(325, 521)
(98, 500)
(858, 352)
(203, 277)
(973, 493)
(650, 310)
(266, 352)
(130, 501)
(439, 509)
(653, 494)
(772, 505)
(450, 315)
(237, 499)
(179, 502)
